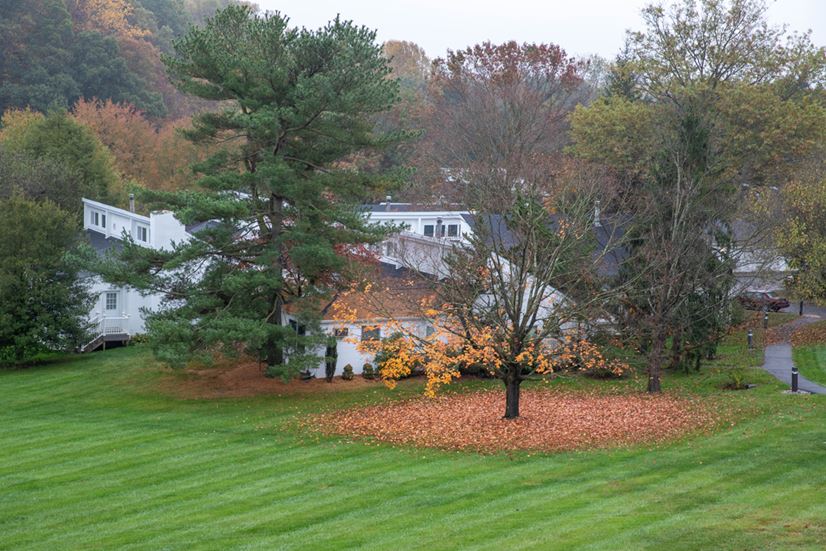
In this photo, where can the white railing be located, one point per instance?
(107, 325)
(113, 325)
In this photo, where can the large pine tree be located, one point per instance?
(283, 191)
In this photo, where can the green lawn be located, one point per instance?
(811, 361)
(92, 456)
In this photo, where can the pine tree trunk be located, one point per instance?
(275, 352)
(655, 360)
(512, 397)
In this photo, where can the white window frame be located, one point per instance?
(432, 230)
(98, 219)
(111, 294)
(142, 230)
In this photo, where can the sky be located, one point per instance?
(581, 27)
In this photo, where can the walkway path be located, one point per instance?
(778, 362)
(778, 356)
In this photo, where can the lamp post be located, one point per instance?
(766, 319)
(750, 339)
(795, 374)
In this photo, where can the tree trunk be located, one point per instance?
(677, 349)
(512, 397)
(274, 350)
(655, 360)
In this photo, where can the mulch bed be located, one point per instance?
(247, 379)
(550, 420)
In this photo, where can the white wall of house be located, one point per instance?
(347, 345)
(121, 306)
(416, 252)
(760, 269)
(425, 223)
(113, 222)
(166, 230)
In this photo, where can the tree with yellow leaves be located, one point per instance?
(110, 17)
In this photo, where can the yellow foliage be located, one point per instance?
(16, 121)
(108, 17)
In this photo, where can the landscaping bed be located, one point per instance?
(246, 379)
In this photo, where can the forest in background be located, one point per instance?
(56, 52)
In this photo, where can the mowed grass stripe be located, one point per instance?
(114, 463)
(214, 474)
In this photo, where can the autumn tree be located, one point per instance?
(47, 62)
(451, 122)
(155, 155)
(410, 65)
(281, 191)
(528, 271)
(802, 233)
(702, 88)
(105, 16)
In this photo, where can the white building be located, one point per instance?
(428, 232)
(117, 313)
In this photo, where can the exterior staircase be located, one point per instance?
(106, 329)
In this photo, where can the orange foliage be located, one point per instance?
(397, 305)
(157, 157)
(443, 353)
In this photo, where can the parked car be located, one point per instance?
(762, 300)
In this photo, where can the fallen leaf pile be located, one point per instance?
(549, 421)
(812, 334)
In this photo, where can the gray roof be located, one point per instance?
(193, 229)
(606, 234)
(102, 244)
(414, 207)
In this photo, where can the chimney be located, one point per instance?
(597, 221)
(387, 203)
(131, 202)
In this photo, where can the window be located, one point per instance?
(341, 332)
(143, 234)
(429, 330)
(98, 219)
(111, 301)
(370, 332)
(300, 330)
(453, 230)
(428, 230)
